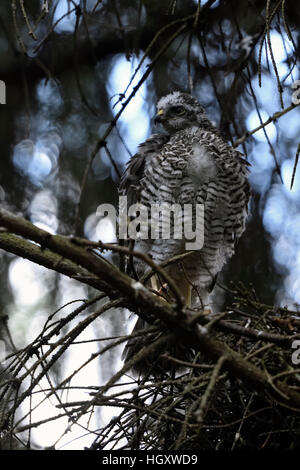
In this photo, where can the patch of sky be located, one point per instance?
(267, 95)
(253, 121)
(292, 283)
(283, 50)
(275, 210)
(32, 161)
(281, 219)
(49, 96)
(29, 283)
(289, 125)
(286, 173)
(37, 156)
(262, 165)
(65, 16)
(100, 228)
(43, 211)
(284, 252)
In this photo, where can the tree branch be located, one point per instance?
(273, 118)
(177, 322)
(25, 249)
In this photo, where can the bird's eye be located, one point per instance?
(179, 110)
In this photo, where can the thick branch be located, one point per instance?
(25, 249)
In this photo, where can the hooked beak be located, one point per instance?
(158, 117)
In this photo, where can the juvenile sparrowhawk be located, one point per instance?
(191, 164)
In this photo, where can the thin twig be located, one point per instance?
(273, 118)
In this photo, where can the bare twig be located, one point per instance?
(295, 167)
(273, 118)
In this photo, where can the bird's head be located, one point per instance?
(178, 111)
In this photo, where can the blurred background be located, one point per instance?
(69, 67)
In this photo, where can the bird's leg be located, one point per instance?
(188, 299)
(185, 289)
(154, 283)
(203, 297)
(195, 296)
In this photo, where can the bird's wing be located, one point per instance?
(241, 194)
(130, 180)
(233, 173)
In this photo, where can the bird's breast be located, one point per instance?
(200, 166)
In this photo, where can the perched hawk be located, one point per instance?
(189, 165)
